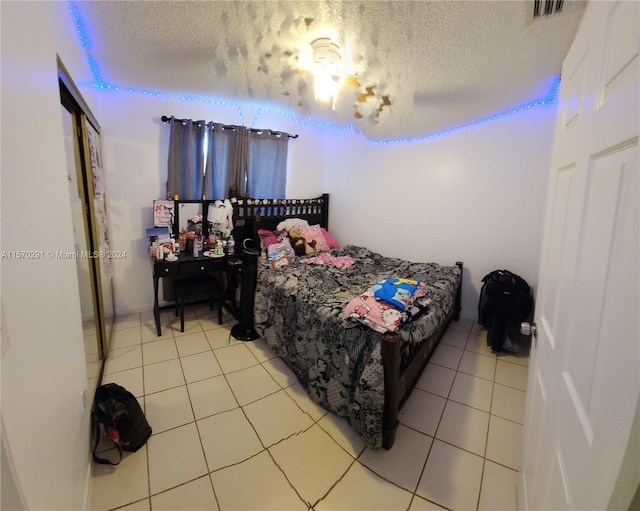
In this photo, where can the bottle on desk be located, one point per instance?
(231, 246)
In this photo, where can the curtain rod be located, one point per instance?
(165, 118)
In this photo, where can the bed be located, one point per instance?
(347, 367)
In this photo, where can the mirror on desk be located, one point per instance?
(203, 217)
(189, 216)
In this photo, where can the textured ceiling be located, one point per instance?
(442, 64)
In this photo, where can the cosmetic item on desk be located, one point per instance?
(231, 246)
(155, 248)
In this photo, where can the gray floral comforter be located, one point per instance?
(299, 312)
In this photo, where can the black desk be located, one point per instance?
(188, 266)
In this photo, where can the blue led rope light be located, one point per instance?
(85, 42)
(550, 99)
(84, 39)
(78, 23)
(304, 122)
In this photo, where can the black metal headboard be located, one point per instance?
(249, 214)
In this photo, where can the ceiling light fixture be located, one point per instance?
(327, 75)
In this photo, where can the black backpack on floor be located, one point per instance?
(117, 413)
(505, 302)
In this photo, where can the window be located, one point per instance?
(206, 159)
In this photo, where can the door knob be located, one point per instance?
(528, 329)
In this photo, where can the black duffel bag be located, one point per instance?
(117, 414)
(505, 302)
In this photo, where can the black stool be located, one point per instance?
(198, 287)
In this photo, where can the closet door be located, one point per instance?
(102, 254)
(90, 226)
(88, 305)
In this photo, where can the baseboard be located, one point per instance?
(88, 487)
(119, 312)
(469, 314)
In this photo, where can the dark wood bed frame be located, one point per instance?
(403, 361)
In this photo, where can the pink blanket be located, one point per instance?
(379, 316)
(326, 258)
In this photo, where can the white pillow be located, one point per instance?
(287, 224)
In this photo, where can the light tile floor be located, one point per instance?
(234, 430)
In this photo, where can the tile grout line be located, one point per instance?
(486, 440)
(265, 448)
(433, 439)
(144, 394)
(354, 460)
(195, 420)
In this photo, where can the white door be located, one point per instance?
(584, 377)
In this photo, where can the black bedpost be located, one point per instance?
(244, 330)
(458, 303)
(325, 210)
(390, 347)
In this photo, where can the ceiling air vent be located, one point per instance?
(546, 7)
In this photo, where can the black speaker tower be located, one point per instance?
(244, 330)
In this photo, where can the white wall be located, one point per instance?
(135, 147)
(477, 196)
(45, 425)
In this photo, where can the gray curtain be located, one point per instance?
(267, 165)
(240, 150)
(206, 159)
(186, 159)
(213, 189)
(221, 168)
